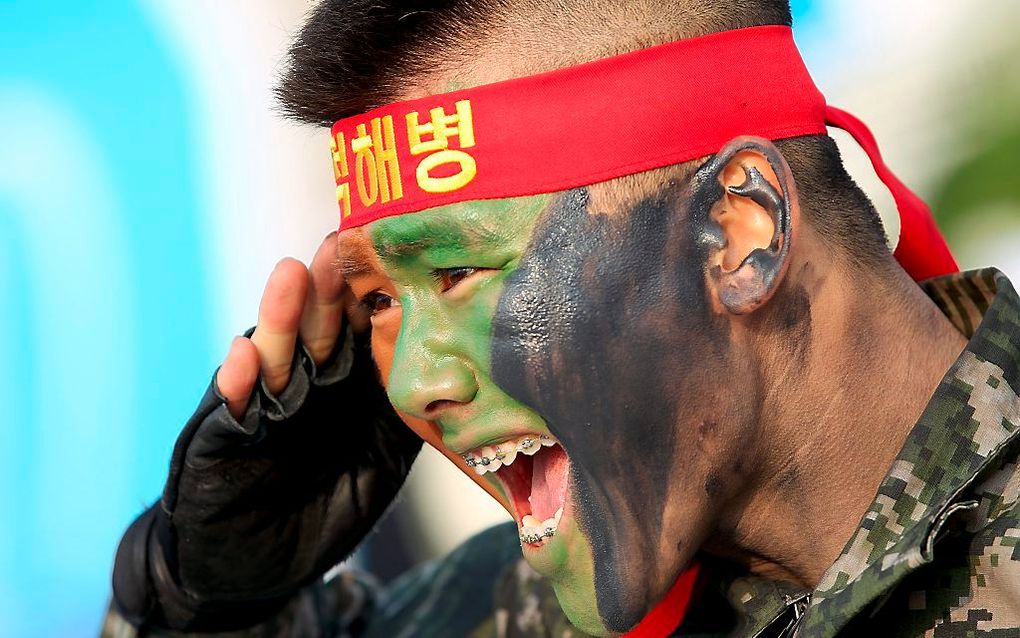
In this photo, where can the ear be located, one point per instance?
(753, 219)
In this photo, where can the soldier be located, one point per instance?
(621, 278)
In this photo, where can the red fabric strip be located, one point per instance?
(597, 121)
(589, 123)
(922, 251)
(667, 615)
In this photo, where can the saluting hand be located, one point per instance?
(288, 462)
(297, 301)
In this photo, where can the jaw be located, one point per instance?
(574, 583)
(589, 518)
(628, 588)
(538, 482)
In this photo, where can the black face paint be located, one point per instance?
(605, 330)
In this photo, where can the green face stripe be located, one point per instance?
(480, 231)
(445, 340)
(489, 235)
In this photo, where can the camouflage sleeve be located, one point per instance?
(451, 596)
(339, 608)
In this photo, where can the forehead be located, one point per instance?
(478, 227)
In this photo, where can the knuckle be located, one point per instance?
(277, 370)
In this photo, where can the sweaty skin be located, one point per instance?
(433, 346)
(606, 330)
(592, 327)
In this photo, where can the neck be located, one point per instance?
(851, 385)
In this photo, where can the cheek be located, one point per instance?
(385, 331)
(605, 331)
(384, 342)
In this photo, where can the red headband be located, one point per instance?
(592, 122)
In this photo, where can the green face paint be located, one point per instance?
(449, 266)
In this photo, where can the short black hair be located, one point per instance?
(353, 55)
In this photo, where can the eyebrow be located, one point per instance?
(357, 260)
(424, 234)
(417, 238)
(350, 266)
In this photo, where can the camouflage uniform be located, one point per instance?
(937, 554)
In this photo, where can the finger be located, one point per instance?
(279, 318)
(236, 377)
(324, 305)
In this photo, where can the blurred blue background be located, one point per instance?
(147, 188)
(105, 307)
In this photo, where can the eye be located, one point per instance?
(447, 278)
(376, 302)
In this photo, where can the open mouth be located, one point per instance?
(533, 470)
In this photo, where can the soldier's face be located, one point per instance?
(572, 359)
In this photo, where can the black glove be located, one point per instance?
(253, 511)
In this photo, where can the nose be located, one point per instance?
(428, 375)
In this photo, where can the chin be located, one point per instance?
(568, 566)
(578, 604)
(582, 621)
(580, 608)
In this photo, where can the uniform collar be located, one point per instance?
(970, 419)
(765, 606)
(960, 437)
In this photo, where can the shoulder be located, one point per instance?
(976, 590)
(452, 595)
(994, 549)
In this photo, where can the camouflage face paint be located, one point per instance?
(598, 330)
(605, 329)
(442, 352)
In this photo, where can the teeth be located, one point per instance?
(529, 446)
(490, 458)
(533, 531)
(509, 455)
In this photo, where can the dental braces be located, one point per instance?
(525, 444)
(533, 539)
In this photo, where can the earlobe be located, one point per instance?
(753, 219)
